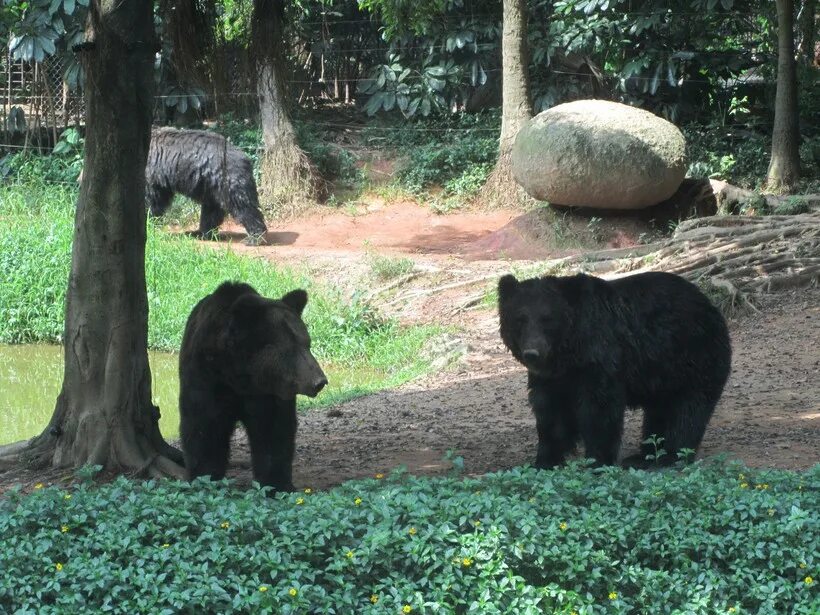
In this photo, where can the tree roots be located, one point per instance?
(733, 255)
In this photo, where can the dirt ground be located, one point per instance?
(769, 415)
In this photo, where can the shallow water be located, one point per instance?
(30, 379)
(31, 375)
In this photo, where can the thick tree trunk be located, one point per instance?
(516, 108)
(784, 168)
(104, 413)
(288, 177)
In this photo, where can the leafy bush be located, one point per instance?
(741, 158)
(35, 260)
(709, 539)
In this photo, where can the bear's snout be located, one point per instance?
(317, 385)
(530, 355)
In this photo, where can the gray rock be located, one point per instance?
(600, 154)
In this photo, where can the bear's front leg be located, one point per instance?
(557, 429)
(600, 406)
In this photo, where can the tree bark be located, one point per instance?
(807, 30)
(288, 177)
(784, 168)
(104, 414)
(516, 108)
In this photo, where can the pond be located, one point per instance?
(31, 375)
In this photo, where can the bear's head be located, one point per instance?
(535, 321)
(267, 347)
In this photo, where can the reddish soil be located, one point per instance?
(769, 415)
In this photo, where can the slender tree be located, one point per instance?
(516, 107)
(784, 168)
(807, 30)
(104, 413)
(288, 177)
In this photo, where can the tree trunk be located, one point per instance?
(807, 30)
(784, 168)
(104, 413)
(516, 108)
(288, 178)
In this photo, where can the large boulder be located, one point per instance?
(600, 154)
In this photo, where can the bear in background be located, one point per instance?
(244, 358)
(206, 168)
(592, 348)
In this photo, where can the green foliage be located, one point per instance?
(35, 260)
(388, 267)
(740, 157)
(707, 539)
(456, 154)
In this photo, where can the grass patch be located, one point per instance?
(385, 268)
(36, 236)
(709, 539)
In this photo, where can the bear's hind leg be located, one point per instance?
(557, 429)
(206, 447)
(687, 418)
(271, 427)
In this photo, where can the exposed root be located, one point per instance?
(735, 256)
(289, 183)
(501, 189)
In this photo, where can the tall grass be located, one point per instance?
(36, 234)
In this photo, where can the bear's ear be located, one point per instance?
(296, 300)
(507, 286)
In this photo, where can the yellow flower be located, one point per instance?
(406, 608)
(374, 598)
(64, 529)
(741, 477)
(379, 476)
(58, 566)
(263, 588)
(563, 526)
(308, 490)
(300, 501)
(802, 564)
(67, 496)
(744, 485)
(762, 486)
(357, 501)
(412, 531)
(225, 525)
(292, 591)
(613, 595)
(531, 500)
(38, 486)
(808, 580)
(731, 609)
(466, 562)
(165, 545)
(349, 554)
(476, 523)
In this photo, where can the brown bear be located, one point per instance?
(244, 358)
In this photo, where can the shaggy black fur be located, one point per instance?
(244, 358)
(592, 348)
(206, 168)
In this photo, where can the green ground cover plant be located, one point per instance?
(712, 538)
(36, 236)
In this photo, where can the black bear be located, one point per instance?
(206, 168)
(592, 348)
(244, 358)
